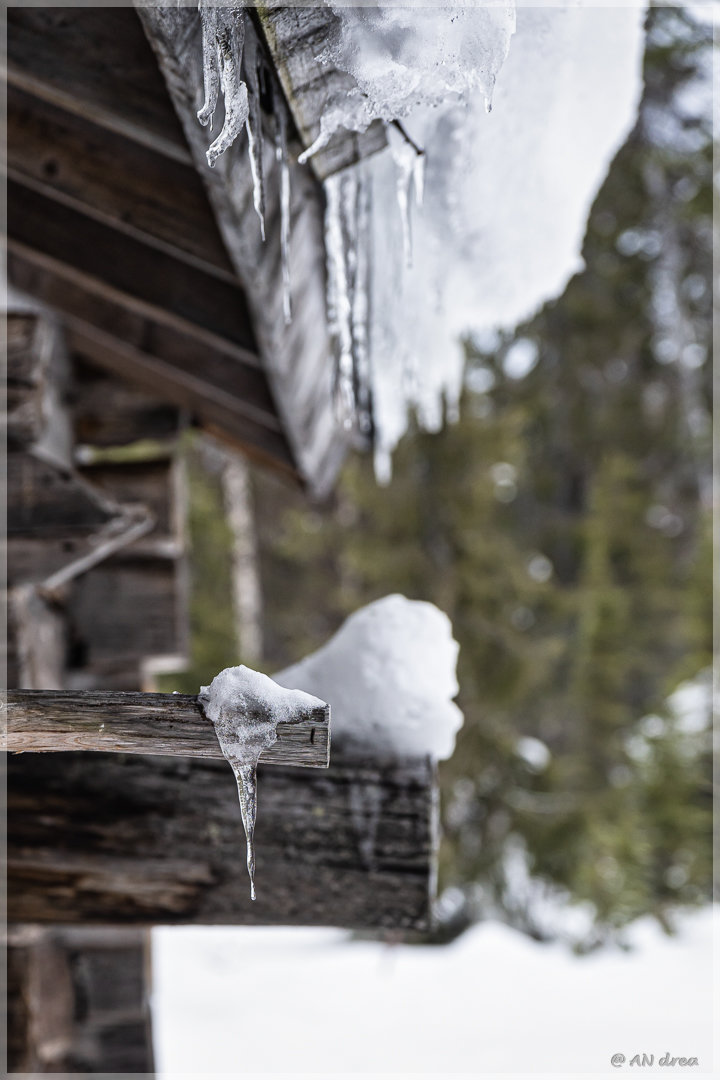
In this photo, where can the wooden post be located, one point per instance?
(135, 723)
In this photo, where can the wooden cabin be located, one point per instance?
(143, 300)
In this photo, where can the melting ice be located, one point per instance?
(245, 708)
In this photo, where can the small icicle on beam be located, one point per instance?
(245, 708)
(281, 155)
(410, 175)
(253, 126)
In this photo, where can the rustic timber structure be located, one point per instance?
(143, 300)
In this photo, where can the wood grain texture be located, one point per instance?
(296, 37)
(136, 270)
(96, 63)
(159, 840)
(150, 196)
(136, 723)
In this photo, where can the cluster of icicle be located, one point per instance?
(228, 55)
(504, 201)
(233, 66)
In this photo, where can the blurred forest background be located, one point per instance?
(564, 525)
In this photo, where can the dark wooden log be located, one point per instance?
(78, 1000)
(77, 163)
(96, 63)
(159, 840)
(127, 723)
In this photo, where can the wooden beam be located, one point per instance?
(159, 840)
(298, 356)
(96, 63)
(138, 271)
(199, 372)
(295, 37)
(121, 182)
(135, 723)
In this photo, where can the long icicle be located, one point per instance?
(253, 125)
(281, 153)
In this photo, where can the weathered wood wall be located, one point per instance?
(109, 224)
(159, 840)
(90, 546)
(78, 1000)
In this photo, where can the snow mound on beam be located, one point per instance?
(389, 675)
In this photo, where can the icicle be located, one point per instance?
(223, 40)
(419, 177)
(211, 75)
(246, 776)
(245, 708)
(281, 153)
(410, 174)
(254, 131)
(338, 290)
(361, 304)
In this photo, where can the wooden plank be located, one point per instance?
(149, 196)
(129, 266)
(95, 62)
(295, 37)
(159, 840)
(209, 378)
(136, 723)
(298, 357)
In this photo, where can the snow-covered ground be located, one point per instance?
(301, 1002)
